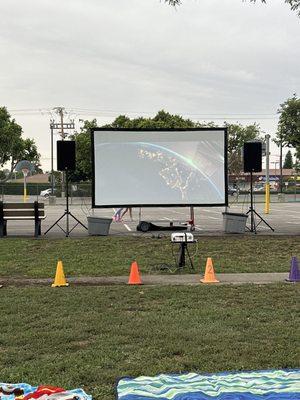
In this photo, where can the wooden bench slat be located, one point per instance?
(22, 213)
(20, 206)
(23, 218)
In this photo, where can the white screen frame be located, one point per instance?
(112, 130)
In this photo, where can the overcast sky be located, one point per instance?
(225, 58)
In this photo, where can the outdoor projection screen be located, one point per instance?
(159, 167)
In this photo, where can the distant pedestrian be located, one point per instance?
(117, 216)
(130, 213)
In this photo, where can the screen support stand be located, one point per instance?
(253, 213)
(192, 218)
(66, 214)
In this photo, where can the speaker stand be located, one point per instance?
(66, 214)
(253, 213)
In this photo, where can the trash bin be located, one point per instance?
(52, 200)
(98, 226)
(234, 222)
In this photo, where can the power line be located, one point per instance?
(90, 110)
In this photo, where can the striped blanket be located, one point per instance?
(256, 385)
(23, 391)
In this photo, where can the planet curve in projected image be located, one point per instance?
(159, 175)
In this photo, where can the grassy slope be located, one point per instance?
(113, 255)
(88, 337)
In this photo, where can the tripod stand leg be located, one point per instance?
(181, 260)
(263, 220)
(252, 220)
(77, 220)
(55, 223)
(190, 258)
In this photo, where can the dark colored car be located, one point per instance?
(232, 190)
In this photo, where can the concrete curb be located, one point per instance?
(167, 280)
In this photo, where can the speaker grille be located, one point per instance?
(66, 155)
(253, 157)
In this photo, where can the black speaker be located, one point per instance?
(253, 157)
(66, 155)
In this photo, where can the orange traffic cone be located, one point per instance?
(60, 279)
(209, 276)
(134, 277)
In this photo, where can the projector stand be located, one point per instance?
(68, 214)
(181, 259)
(252, 212)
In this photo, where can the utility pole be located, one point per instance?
(61, 128)
(60, 112)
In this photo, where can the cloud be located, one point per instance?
(207, 56)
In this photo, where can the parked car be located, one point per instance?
(259, 188)
(46, 193)
(232, 190)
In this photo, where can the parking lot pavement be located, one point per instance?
(283, 217)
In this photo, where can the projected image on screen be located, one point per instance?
(159, 167)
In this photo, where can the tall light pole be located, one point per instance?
(267, 188)
(280, 160)
(52, 171)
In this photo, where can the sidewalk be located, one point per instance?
(168, 280)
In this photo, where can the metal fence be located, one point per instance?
(37, 191)
(80, 192)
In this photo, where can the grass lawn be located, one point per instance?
(89, 336)
(113, 255)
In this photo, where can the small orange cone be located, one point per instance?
(134, 277)
(209, 276)
(60, 279)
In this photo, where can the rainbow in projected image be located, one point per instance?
(252, 385)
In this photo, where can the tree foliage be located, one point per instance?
(83, 170)
(13, 148)
(288, 161)
(237, 136)
(294, 4)
(289, 124)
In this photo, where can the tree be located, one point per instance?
(288, 161)
(83, 170)
(288, 131)
(294, 4)
(13, 148)
(237, 136)
(3, 175)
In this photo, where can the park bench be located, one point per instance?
(21, 211)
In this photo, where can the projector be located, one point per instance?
(179, 237)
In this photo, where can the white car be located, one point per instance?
(260, 188)
(46, 193)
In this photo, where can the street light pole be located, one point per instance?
(52, 171)
(281, 166)
(267, 188)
